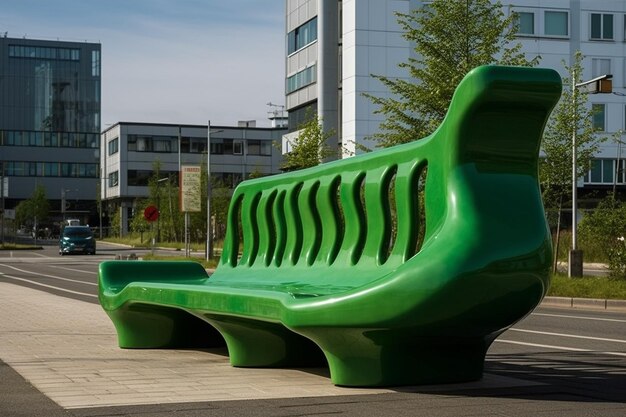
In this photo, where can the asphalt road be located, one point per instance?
(572, 356)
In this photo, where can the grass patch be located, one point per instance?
(587, 287)
(212, 264)
(17, 246)
(135, 241)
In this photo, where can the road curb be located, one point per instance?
(585, 303)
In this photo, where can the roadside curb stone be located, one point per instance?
(584, 303)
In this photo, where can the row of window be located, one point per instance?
(43, 52)
(49, 139)
(169, 144)
(50, 169)
(606, 171)
(301, 79)
(141, 178)
(302, 36)
(556, 23)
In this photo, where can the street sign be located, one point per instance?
(151, 213)
(190, 189)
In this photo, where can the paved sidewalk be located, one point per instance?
(68, 350)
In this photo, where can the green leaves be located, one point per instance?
(310, 147)
(450, 38)
(555, 171)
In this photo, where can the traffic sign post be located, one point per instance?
(151, 214)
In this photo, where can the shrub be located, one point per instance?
(606, 226)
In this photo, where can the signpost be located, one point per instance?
(151, 214)
(190, 193)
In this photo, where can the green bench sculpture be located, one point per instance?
(336, 265)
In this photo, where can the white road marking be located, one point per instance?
(571, 349)
(603, 339)
(579, 317)
(75, 270)
(50, 286)
(49, 276)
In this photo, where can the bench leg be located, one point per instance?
(150, 326)
(385, 358)
(253, 343)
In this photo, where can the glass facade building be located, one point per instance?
(50, 119)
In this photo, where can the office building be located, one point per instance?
(333, 47)
(50, 123)
(130, 150)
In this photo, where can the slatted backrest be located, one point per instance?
(362, 217)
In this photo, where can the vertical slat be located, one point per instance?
(407, 210)
(378, 217)
(250, 228)
(311, 225)
(354, 216)
(329, 215)
(267, 232)
(293, 222)
(230, 251)
(281, 227)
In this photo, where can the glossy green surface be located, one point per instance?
(322, 268)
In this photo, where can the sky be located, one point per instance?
(170, 61)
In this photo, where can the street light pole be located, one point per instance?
(601, 84)
(575, 261)
(209, 238)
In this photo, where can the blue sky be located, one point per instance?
(170, 61)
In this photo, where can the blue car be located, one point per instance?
(77, 239)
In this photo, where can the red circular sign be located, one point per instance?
(151, 213)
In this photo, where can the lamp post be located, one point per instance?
(209, 236)
(64, 191)
(601, 84)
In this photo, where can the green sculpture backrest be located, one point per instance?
(362, 214)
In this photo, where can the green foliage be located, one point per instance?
(555, 170)
(36, 208)
(587, 287)
(606, 226)
(139, 224)
(116, 220)
(310, 147)
(450, 38)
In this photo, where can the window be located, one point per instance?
(599, 117)
(140, 143)
(555, 23)
(113, 146)
(95, 63)
(62, 54)
(526, 23)
(113, 179)
(237, 147)
(302, 36)
(140, 178)
(600, 66)
(603, 172)
(601, 26)
(301, 79)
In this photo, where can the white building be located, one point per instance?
(334, 46)
(129, 151)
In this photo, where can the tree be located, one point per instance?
(450, 39)
(34, 210)
(555, 169)
(164, 195)
(309, 148)
(606, 227)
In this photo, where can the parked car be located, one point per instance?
(77, 239)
